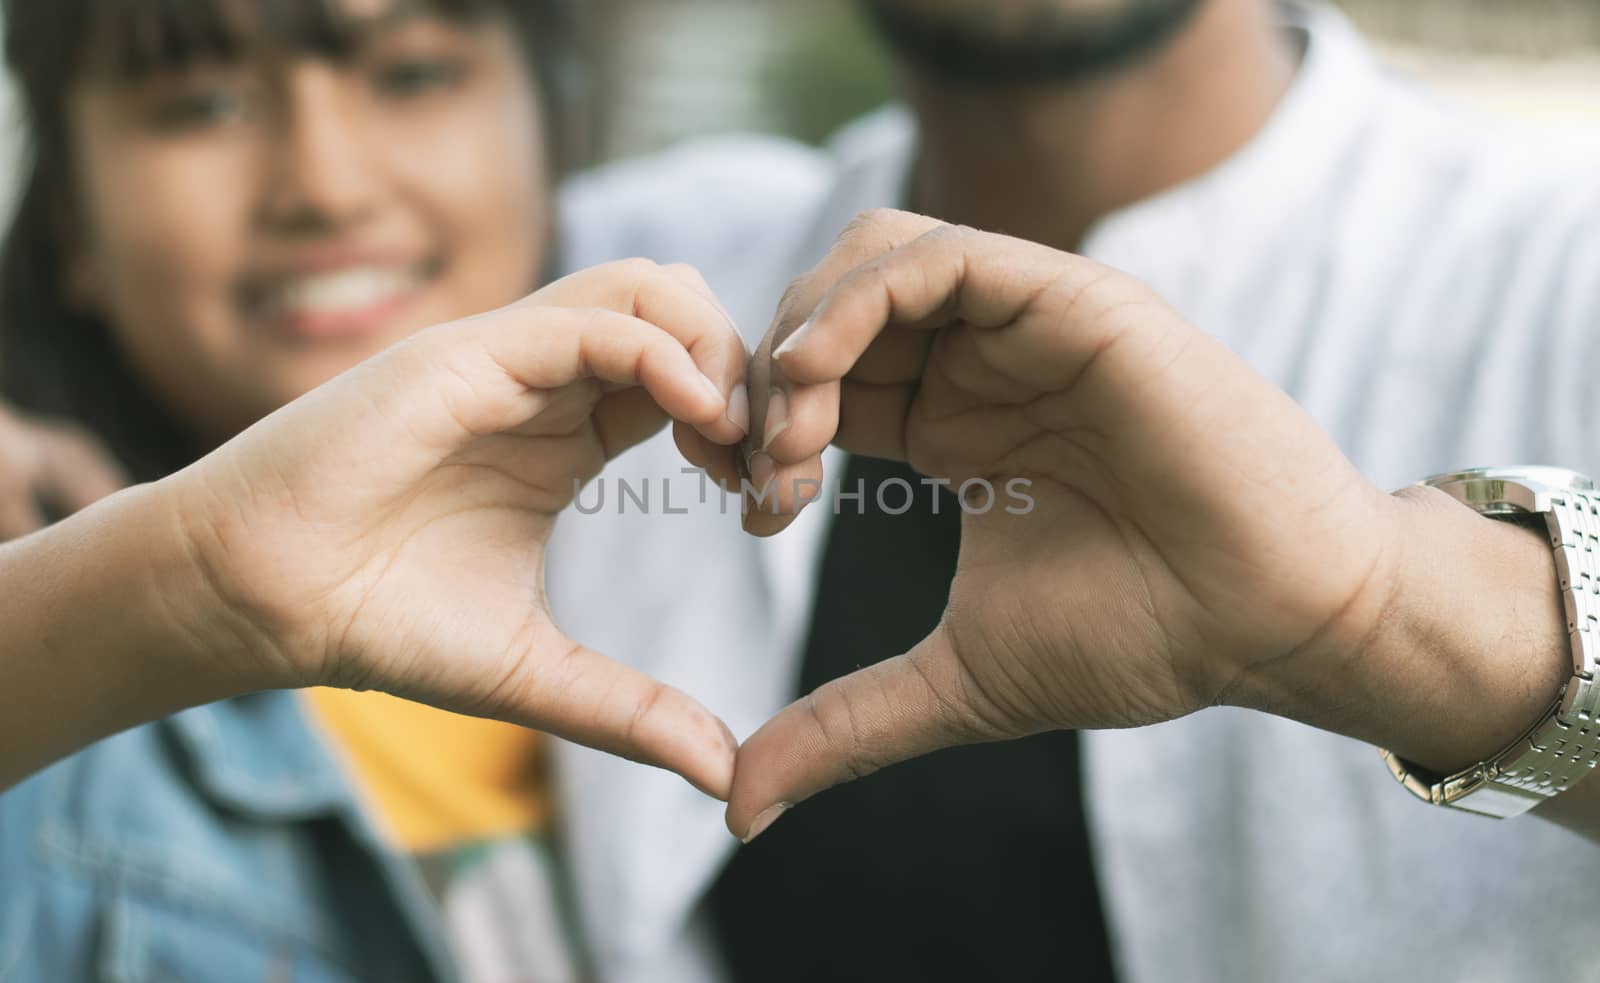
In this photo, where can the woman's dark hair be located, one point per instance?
(59, 361)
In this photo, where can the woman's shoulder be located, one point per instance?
(73, 834)
(203, 817)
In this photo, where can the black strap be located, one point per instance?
(969, 864)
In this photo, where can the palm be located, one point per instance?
(407, 506)
(1140, 562)
(431, 541)
(1060, 629)
(1171, 548)
(445, 575)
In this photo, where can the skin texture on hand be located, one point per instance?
(386, 531)
(1195, 540)
(104, 625)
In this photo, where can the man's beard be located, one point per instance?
(1045, 44)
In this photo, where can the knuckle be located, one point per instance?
(879, 217)
(588, 319)
(868, 230)
(635, 268)
(685, 272)
(838, 719)
(965, 709)
(636, 729)
(880, 228)
(793, 299)
(950, 236)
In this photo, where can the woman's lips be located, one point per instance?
(338, 303)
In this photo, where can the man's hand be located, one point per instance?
(44, 463)
(387, 531)
(1192, 531)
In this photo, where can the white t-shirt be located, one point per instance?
(1425, 284)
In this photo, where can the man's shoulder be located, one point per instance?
(698, 202)
(1466, 170)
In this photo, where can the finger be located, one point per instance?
(800, 421)
(1052, 305)
(870, 418)
(691, 277)
(775, 496)
(584, 697)
(870, 235)
(626, 419)
(872, 298)
(892, 357)
(75, 471)
(677, 300)
(790, 423)
(782, 471)
(721, 464)
(726, 362)
(875, 419)
(503, 366)
(785, 476)
(889, 712)
(862, 410)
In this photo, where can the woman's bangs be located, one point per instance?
(137, 38)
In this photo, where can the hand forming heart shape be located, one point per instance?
(1194, 536)
(1150, 578)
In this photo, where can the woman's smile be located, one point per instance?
(329, 296)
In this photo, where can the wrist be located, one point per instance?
(1478, 639)
(1457, 649)
(208, 605)
(104, 628)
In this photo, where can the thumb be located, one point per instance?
(890, 712)
(589, 699)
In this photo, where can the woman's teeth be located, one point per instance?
(344, 292)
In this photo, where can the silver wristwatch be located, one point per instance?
(1565, 743)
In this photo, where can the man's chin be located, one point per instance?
(1027, 42)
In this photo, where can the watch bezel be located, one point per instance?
(1503, 491)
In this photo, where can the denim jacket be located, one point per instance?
(222, 844)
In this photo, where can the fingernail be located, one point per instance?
(739, 408)
(762, 470)
(767, 818)
(793, 341)
(712, 387)
(777, 417)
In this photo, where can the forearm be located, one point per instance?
(1466, 649)
(104, 625)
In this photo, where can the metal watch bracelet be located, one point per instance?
(1565, 743)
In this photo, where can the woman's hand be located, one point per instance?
(387, 531)
(48, 464)
(1190, 527)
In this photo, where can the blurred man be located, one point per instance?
(1422, 284)
(1415, 279)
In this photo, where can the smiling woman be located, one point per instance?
(229, 203)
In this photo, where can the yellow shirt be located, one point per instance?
(469, 800)
(436, 779)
